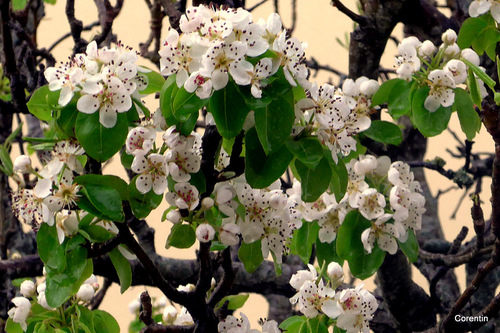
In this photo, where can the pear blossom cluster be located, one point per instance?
(337, 115)
(55, 191)
(29, 290)
(480, 7)
(441, 68)
(103, 80)
(351, 308)
(216, 44)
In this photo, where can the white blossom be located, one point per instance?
(28, 288)
(153, 170)
(22, 164)
(205, 232)
(20, 312)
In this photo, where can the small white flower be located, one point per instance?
(292, 55)
(457, 69)
(20, 312)
(174, 216)
(186, 196)
(153, 173)
(66, 224)
(205, 232)
(139, 141)
(441, 90)
(22, 164)
(471, 55)
(85, 293)
(184, 318)
(427, 49)
(370, 203)
(28, 288)
(200, 84)
(228, 234)
(335, 273)
(169, 314)
(134, 306)
(384, 233)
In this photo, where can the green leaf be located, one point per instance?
(291, 324)
(12, 327)
(6, 161)
(429, 123)
(18, 4)
(262, 170)
(155, 82)
(473, 88)
(251, 255)
(314, 181)
(307, 149)
(186, 103)
(142, 204)
(327, 253)
(98, 141)
(410, 247)
(38, 104)
(229, 110)
(469, 31)
(95, 233)
(480, 74)
(385, 132)
(384, 91)
(123, 269)
(274, 122)
(67, 119)
(303, 240)
(469, 119)
(234, 302)
(49, 249)
(399, 101)
(105, 180)
(485, 38)
(350, 247)
(315, 325)
(182, 236)
(198, 180)
(168, 90)
(106, 200)
(105, 323)
(339, 181)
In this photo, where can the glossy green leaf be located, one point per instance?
(182, 236)
(105, 180)
(168, 90)
(155, 82)
(106, 200)
(262, 170)
(327, 253)
(469, 119)
(12, 327)
(229, 110)
(186, 103)
(142, 204)
(49, 249)
(105, 323)
(234, 302)
(410, 247)
(38, 104)
(314, 181)
(291, 324)
(67, 119)
(251, 255)
(99, 142)
(469, 31)
(303, 240)
(340, 178)
(384, 91)
(473, 88)
(485, 38)
(429, 123)
(480, 74)
(399, 101)
(275, 121)
(350, 247)
(385, 132)
(308, 150)
(123, 269)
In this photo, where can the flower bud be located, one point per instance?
(187, 288)
(427, 49)
(471, 55)
(335, 273)
(22, 164)
(134, 306)
(43, 301)
(174, 216)
(91, 280)
(169, 314)
(162, 302)
(369, 88)
(85, 293)
(28, 288)
(41, 287)
(207, 203)
(228, 234)
(452, 51)
(449, 37)
(205, 232)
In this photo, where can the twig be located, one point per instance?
(294, 17)
(63, 37)
(478, 218)
(76, 27)
(313, 64)
(459, 204)
(361, 20)
(107, 15)
(227, 279)
(205, 275)
(146, 315)
(257, 5)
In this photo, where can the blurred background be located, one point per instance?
(326, 31)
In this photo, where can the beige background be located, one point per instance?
(318, 24)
